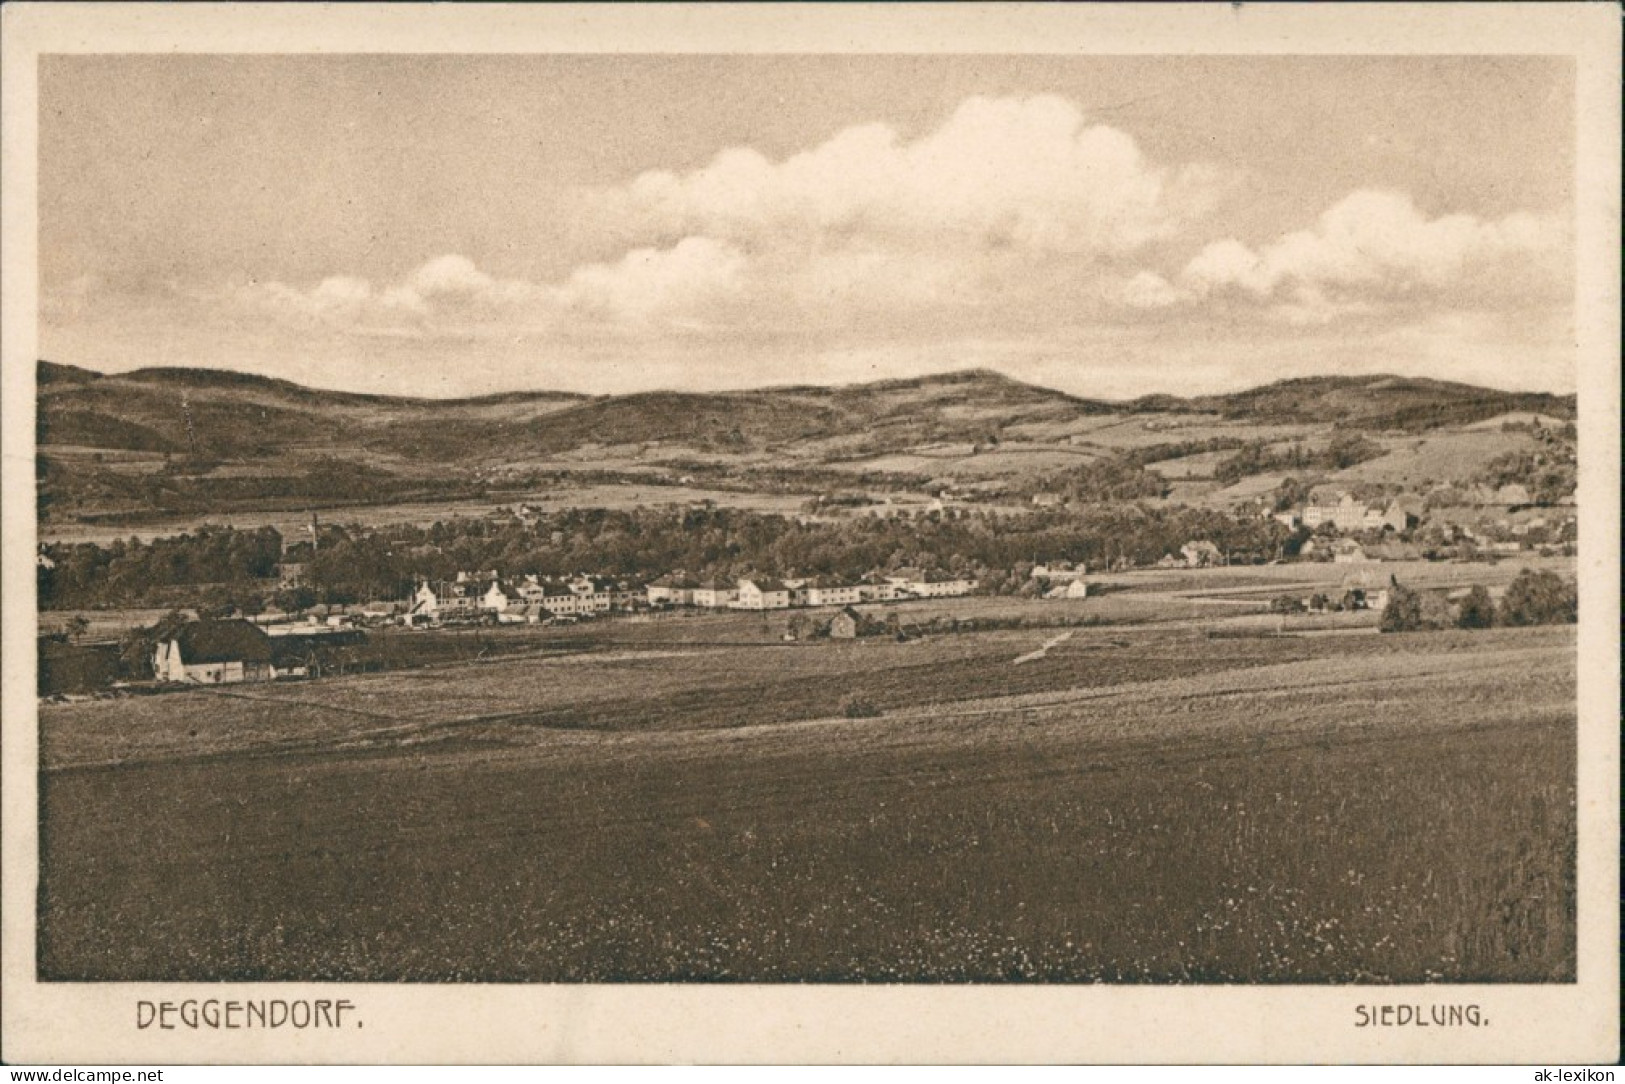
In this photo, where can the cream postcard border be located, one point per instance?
(88, 1023)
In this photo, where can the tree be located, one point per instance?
(1477, 609)
(1403, 612)
(1539, 598)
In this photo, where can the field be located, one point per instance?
(690, 800)
(1438, 457)
(293, 522)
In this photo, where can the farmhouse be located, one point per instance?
(1060, 572)
(762, 594)
(214, 653)
(1071, 589)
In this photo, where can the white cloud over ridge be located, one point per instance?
(1015, 219)
(1030, 173)
(1376, 246)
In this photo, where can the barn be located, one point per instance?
(214, 653)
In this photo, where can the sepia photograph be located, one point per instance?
(648, 519)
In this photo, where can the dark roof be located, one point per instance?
(222, 641)
(764, 585)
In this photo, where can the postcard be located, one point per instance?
(811, 533)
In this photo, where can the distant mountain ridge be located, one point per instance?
(188, 440)
(1304, 399)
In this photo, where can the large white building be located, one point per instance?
(762, 594)
(826, 591)
(714, 594)
(911, 581)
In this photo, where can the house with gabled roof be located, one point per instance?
(761, 593)
(849, 624)
(714, 593)
(498, 596)
(214, 653)
(830, 591)
(674, 590)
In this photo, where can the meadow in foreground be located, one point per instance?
(1378, 809)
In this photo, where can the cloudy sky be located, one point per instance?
(1108, 226)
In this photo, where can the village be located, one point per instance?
(278, 644)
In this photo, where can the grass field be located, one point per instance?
(292, 522)
(1138, 805)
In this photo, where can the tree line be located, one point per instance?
(355, 564)
(1534, 597)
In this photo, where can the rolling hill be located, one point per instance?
(183, 439)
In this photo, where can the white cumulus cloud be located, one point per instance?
(646, 284)
(1376, 245)
(1027, 172)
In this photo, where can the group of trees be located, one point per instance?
(1534, 597)
(134, 572)
(1117, 478)
(1547, 475)
(1257, 457)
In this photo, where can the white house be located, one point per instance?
(714, 594)
(878, 591)
(561, 601)
(670, 591)
(594, 592)
(912, 582)
(442, 600)
(826, 591)
(762, 594)
(1071, 589)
